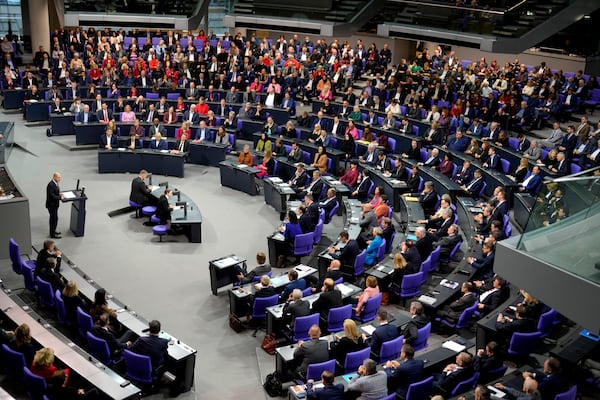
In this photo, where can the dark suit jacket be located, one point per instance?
(91, 117)
(447, 244)
(563, 168)
(400, 173)
(339, 349)
(52, 196)
(484, 266)
(297, 284)
(413, 260)
(328, 204)
(53, 278)
(506, 329)
(458, 306)
(162, 210)
(153, 347)
(449, 382)
(300, 308)
(316, 190)
(551, 385)
(363, 188)
(534, 184)
(428, 202)
(113, 344)
(475, 188)
(299, 181)
(485, 364)
(412, 328)
(162, 145)
(424, 246)
(348, 253)
(311, 352)
(327, 301)
(493, 300)
(329, 392)
(186, 145)
(463, 177)
(104, 141)
(139, 192)
(494, 163)
(382, 334)
(100, 115)
(407, 373)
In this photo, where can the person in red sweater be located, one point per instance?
(351, 176)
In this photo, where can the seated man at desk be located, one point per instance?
(182, 145)
(453, 311)
(362, 190)
(50, 275)
(294, 283)
(298, 181)
(486, 361)
(474, 186)
(108, 140)
(404, 373)
(296, 154)
(262, 268)
(506, 326)
(448, 242)
(140, 192)
(346, 253)
(48, 251)
(310, 352)
(491, 296)
(164, 209)
(382, 333)
(330, 298)
(454, 373)
(158, 143)
(295, 307)
(329, 202)
(152, 345)
(115, 344)
(528, 392)
(329, 391)
(484, 264)
(372, 384)
(551, 381)
(418, 320)
(333, 272)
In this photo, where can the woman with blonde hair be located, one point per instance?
(267, 166)
(72, 300)
(350, 342)
(521, 170)
(43, 365)
(370, 291)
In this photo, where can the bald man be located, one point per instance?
(53, 198)
(311, 352)
(530, 390)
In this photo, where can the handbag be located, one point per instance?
(269, 344)
(235, 323)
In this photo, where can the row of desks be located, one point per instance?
(93, 371)
(181, 358)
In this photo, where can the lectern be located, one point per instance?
(77, 198)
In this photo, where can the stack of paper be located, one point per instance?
(344, 289)
(368, 329)
(426, 299)
(452, 345)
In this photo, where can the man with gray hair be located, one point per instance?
(447, 243)
(428, 199)
(424, 242)
(371, 384)
(295, 307)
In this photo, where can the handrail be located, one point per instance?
(464, 8)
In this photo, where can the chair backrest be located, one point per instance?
(522, 344)
(513, 143)
(355, 359)
(339, 280)
(466, 316)
(318, 232)
(422, 337)
(35, 385)
(359, 263)
(482, 191)
(570, 394)
(303, 244)
(99, 348)
(392, 144)
(454, 250)
(15, 256)
(505, 165)
(13, 362)
(28, 277)
(314, 371)
(508, 230)
(332, 213)
(411, 285)
(546, 322)
(138, 368)
(420, 390)
(496, 373)
(466, 385)
(425, 267)
(84, 322)
(388, 244)
(45, 292)
(435, 257)
(61, 311)
(337, 316)
(390, 350)
(259, 308)
(371, 307)
(307, 291)
(381, 250)
(303, 324)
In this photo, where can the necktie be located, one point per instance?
(150, 116)
(105, 116)
(181, 145)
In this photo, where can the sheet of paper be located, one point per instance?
(368, 329)
(496, 392)
(411, 198)
(68, 195)
(427, 299)
(344, 289)
(452, 345)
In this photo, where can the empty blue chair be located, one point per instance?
(411, 286)
(388, 245)
(85, 323)
(28, 278)
(314, 371)
(15, 257)
(390, 350)
(505, 165)
(355, 359)
(522, 344)
(259, 309)
(13, 362)
(466, 385)
(359, 263)
(570, 394)
(508, 230)
(35, 385)
(303, 244)
(138, 368)
(318, 232)
(435, 258)
(370, 310)
(422, 337)
(61, 311)
(420, 390)
(303, 324)
(546, 323)
(99, 349)
(425, 267)
(381, 251)
(45, 293)
(337, 316)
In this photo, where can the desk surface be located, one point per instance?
(178, 216)
(77, 359)
(277, 282)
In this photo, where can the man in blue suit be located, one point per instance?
(329, 391)
(404, 373)
(295, 283)
(475, 185)
(289, 104)
(86, 115)
(485, 264)
(493, 162)
(569, 142)
(458, 143)
(533, 183)
(552, 381)
(382, 333)
(152, 345)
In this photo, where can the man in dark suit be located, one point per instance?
(47, 252)
(140, 192)
(182, 145)
(533, 183)
(418, 320)
(448, 242)
(362, 190)
(312, 208)
(402, 374)
(294, 283)
(398, 171)
(424, 243)
(428, 199)
(86, 115)
(329, 202)
(569, 142)
(298, 181)
(329, 298)
(551, 381)
(474, 186)
(53, 198)
(491, 296)
(104, 115)
(485, 264)
(443, 230)
(163, 208)
(384, 163)
(152, 345)
(382, 333)
(453, 374)
(493, 163)
(453, 311)
(406, 127)
(191, 115)
(310, 352)
(51, 276)
(347, 253)
(563, 167)
(101, 331)
(315, 187)
(506, 326)
(108, 140)
(464, 175)
(487, 360)
(329, 391)
(295, 307)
